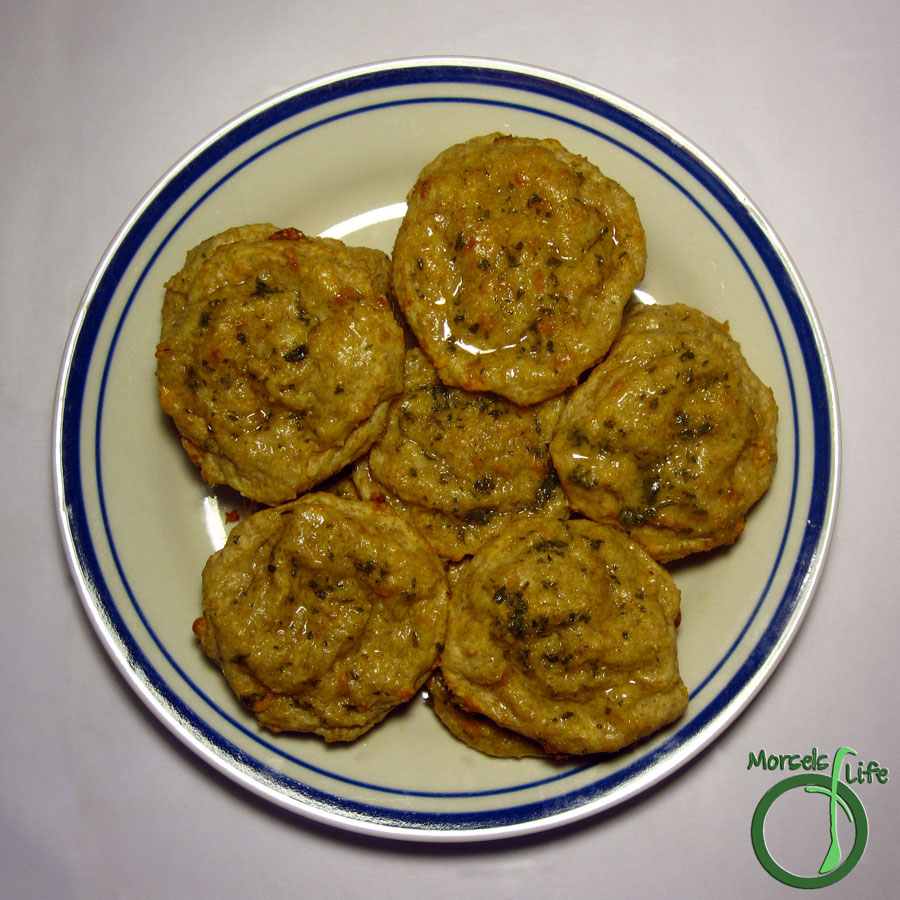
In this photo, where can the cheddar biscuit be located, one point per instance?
(459, 463)
(564, 632)
(324, 614)
(278, 357)
(513, 264)
(672, 437)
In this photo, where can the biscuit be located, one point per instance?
(672, 437)
(459, 463)
(324, 614)
(564, 632)
(278, 357)
(513, 264)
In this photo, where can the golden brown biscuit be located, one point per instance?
(458, 463)
(324, 614)
(672, 436)
(277, 358)
(513, 264)
(564, 631)
(473, 729)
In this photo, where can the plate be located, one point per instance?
(336, 156)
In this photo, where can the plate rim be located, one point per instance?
(179, 725)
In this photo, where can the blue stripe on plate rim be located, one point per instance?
(279, 787)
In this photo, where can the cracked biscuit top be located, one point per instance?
(278, 357)
(672, 437)
(513, 264)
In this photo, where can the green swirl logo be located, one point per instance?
(835, 864)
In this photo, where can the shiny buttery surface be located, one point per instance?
(513, 263)
(564, 631)
(672, 436)
(324, 615)
(247, 362)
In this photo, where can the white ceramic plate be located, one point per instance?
(337, 156)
